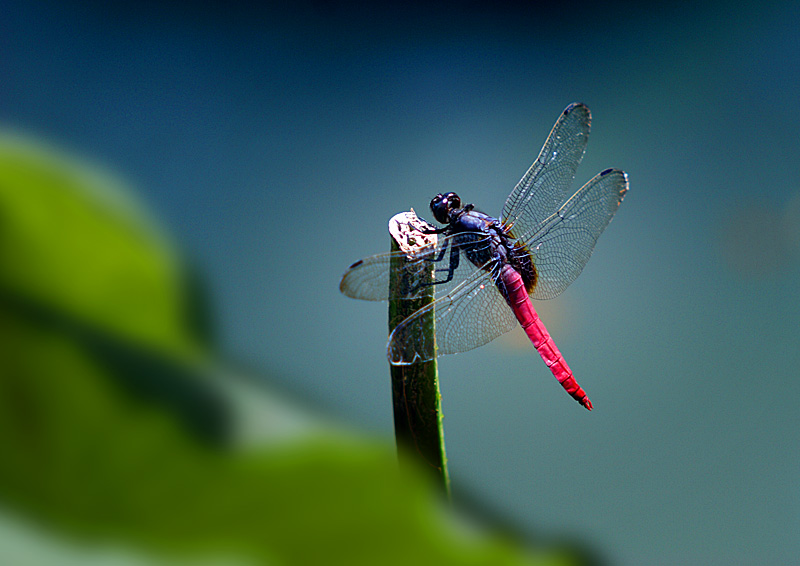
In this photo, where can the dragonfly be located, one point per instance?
(487, 269)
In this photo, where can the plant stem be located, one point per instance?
(415, 388)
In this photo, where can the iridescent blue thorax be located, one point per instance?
(484, 239)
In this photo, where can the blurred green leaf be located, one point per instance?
(73, 240)
(116, 422)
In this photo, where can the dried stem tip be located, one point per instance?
(407, 230)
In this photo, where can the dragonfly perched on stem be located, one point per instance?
(487, 269)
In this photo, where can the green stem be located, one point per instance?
(415, 388)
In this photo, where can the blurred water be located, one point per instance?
(276, 144)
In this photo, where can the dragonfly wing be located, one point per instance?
(368, 278)
(544, 186)
(564, 242)
(468, 315)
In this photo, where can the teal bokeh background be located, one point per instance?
(276, 143)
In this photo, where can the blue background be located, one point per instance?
(274, 143)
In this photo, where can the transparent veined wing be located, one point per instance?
(563, 243)
(546, 184)
(368, 278)
(469, 310)
(469, 314)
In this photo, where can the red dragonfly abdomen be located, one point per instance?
(521, 304)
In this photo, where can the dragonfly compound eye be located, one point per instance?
(441, 205)
(439, 208)
(453, 200)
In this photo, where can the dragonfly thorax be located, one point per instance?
(483, 239)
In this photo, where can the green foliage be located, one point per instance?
(72, 240)
(117, 425)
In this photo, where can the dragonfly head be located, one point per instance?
(442, 204)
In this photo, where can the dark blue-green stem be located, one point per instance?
(415, 388)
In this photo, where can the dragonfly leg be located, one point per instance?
(450, 270)
(435, 230)
(440, 257)
(454, 260)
